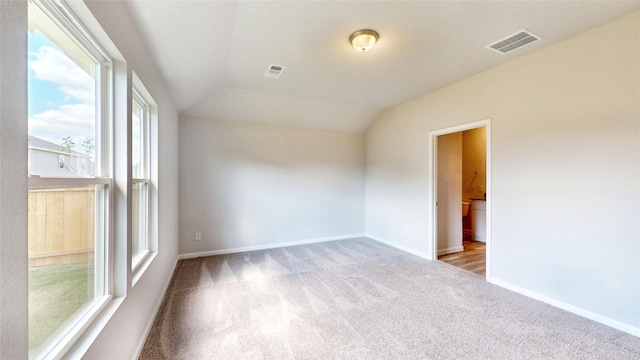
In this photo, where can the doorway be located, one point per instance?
(461, 175)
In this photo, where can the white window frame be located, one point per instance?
(145, 205)
(149, 129)
(57, 346)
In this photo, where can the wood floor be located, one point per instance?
(473, 258)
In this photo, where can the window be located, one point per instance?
(140, 189)
(70, 181)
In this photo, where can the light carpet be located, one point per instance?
(360, 299)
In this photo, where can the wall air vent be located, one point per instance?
(515, 41)
(274, 71)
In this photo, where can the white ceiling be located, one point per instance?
(213, 54)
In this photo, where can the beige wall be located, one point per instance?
(565, 194)
(13, 180)
(253, 185)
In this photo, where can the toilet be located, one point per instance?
(465, 209)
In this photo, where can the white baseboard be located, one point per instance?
(154, 313)
(450, 250)
(480, 238)
(399, 247)
(635, 331)
(267, 246)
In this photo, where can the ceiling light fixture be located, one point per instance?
(363, 40)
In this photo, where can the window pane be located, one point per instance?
(137, 141)
(140, 206)
(62, 102)
(62, 256)
(66, 223)
(140, 189)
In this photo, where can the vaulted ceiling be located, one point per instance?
(214, 54)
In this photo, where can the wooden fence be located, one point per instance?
(61, 225)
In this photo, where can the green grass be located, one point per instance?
(56, 293)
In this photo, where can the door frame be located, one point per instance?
(433, 189)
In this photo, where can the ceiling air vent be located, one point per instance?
(515, 41)
(274, 71)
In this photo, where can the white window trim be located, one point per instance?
(138, 259)
(59, 12)
(150, 131)
(56, 347)
(142, 102)
(46, 182)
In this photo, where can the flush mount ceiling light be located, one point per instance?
(363, 40)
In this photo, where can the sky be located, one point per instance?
(61, 94)
(61, 98)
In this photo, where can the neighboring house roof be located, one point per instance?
(36, 142)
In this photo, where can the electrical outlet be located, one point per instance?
(198, 236)
(480, 188)
(446, 177)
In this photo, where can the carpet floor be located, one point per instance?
(360, 299)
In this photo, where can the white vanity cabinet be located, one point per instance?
(479, 220)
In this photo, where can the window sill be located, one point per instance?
(82, 344)
(141, 267)
(78, 334)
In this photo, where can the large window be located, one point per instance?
(140, 193)
(69, 178)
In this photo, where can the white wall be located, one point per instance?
(123, 334)
(244, 185)
(13, 176)
(565, 170)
